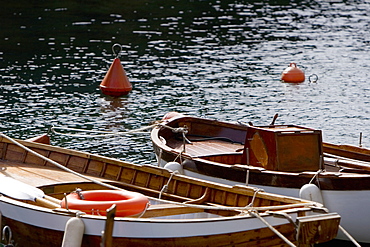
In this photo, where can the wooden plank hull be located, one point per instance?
(342, 192)
(48, 227)
(54, 238)
(209, 227)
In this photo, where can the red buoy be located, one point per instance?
(293, 74)
(115, 82)
(44, 139)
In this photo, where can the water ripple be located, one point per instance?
(216, 59)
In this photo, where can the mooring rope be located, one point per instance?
(101, 133)
(316, 175)
(349, 236)
(256, 214)
(165, 187)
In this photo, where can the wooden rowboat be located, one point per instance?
(190, 212)
(283, 159)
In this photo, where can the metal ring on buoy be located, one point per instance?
(99, 201)
(118, 54)
(313, 78)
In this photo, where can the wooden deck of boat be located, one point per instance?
(36, 175)
(207, 147)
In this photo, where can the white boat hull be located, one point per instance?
(355, 218)
(137, 227)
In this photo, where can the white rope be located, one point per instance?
(183, 131)
(101, 133)
(279, 207)
(349, 236)
(316, 175)
(165, 187)
(273, 229)
(179, 156)
(175, 130)
(254, 196)
(146, 208)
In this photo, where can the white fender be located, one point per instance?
(73, 233)
(311, 192)
(174, 166)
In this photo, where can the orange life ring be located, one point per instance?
(98, 201)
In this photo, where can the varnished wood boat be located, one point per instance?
(278, 158)
(191, 212)
(348, 152)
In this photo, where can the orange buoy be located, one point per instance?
(115, 82)
(44, 139)
(293, 74)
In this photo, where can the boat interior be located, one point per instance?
(227, 144)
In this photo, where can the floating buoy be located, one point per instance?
(293, 74)
(172, 114)
(115, 82)
(44, 139)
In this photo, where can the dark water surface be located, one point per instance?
(215, 59)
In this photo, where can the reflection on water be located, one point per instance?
(216, 59)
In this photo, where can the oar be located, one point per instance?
(21, 191)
